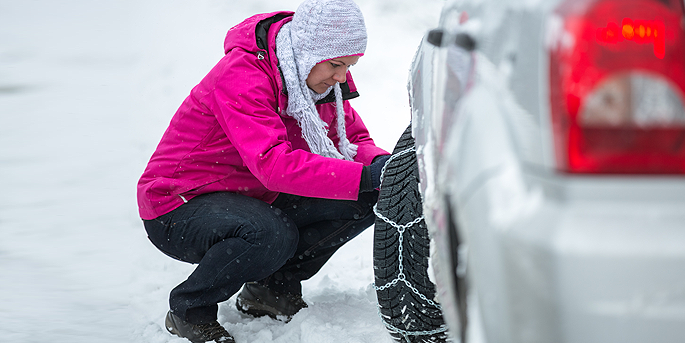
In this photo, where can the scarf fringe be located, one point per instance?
(301, 105)
(348, 150)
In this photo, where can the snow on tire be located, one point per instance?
(401, 250)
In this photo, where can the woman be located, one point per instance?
(265, 169)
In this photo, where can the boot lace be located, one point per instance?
(297, 301)
(215, 332)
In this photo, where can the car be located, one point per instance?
(550, 146)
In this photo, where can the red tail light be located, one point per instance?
(617, 77)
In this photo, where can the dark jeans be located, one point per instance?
(235, 239)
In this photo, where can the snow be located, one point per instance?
(86, 91)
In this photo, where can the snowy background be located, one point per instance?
(86, 90)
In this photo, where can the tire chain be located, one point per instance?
(401, 277)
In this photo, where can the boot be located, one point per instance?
(257, 300)
(199, 333)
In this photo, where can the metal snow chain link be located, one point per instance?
(401, 276)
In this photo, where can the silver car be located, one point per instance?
(550, 138)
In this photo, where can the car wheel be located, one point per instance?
(401, 251)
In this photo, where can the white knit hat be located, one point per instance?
(326, 29)
(320, 30)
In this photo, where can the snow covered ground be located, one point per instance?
(86, 91)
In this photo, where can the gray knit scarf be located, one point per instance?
(301, 105)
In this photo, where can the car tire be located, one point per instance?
(401, 252)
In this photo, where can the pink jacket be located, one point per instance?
(232, 134)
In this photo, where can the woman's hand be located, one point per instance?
(371, 174)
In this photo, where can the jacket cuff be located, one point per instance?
(366, 185)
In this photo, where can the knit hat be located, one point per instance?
(326, 29)
(320, 30)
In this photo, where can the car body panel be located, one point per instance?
(552, 257)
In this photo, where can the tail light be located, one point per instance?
(617, 81)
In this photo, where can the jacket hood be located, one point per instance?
(243, 35)
(254, 34)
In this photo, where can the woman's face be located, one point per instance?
(327, 73)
